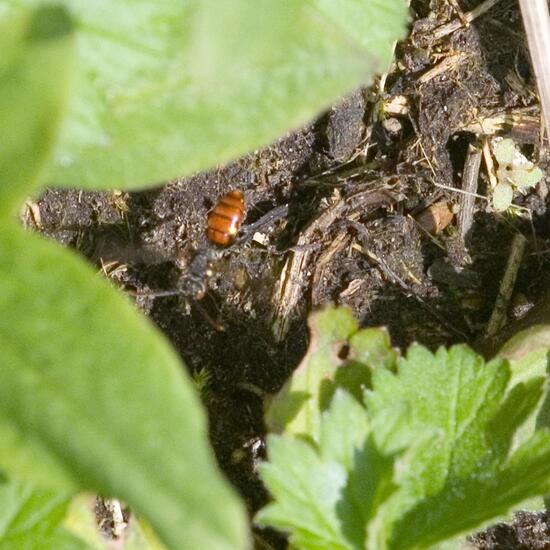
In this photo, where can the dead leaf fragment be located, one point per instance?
(436, 217)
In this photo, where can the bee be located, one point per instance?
(225, 219)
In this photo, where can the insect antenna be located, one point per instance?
(155, 293)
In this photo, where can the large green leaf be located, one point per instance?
(35, 74)
(91, 396)
(169, 87)
(92, 385)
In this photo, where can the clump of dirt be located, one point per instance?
(334, 214)
(528, 531)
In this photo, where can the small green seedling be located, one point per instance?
(514, 173)
(201, 379)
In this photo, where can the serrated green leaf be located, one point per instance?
(337, 444)
(307, 490)
(169, 88)
(31, 519)
(441, 455)
(370, 483)
(92, 385)
(466, 476)
(445, 392)
(324, 496)
(35, 77)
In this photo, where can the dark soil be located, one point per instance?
(378, 171)
(528, 531)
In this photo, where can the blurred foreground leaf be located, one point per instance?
(35, 75)
(31, 519)
(98, 393)
(171, 87)
(92, 398)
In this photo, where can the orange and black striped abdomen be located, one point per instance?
(225, 219)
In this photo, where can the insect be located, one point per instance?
(225, 219)
(222, 226)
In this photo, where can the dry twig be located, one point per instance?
(467, 18)
(448, 64)
(340, 242)
(296, 271)
(521, 124)
(469, 186)
(536, 19)
(498, 317)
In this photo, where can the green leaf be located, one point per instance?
(524, 178)
(514, 171)
(168, 88)
(141, 536)
(505, 151)
(337, 444)
(361, 21)
(372, 347)
(325, 495)
(467, 475)
(527, 352)
(91, 385)
(339, 356)
(35, 76)
(80, 521)
(91, 398)
(435, 453)
(307, 490)
(31, 519)
(297, 407)
(503, 195)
